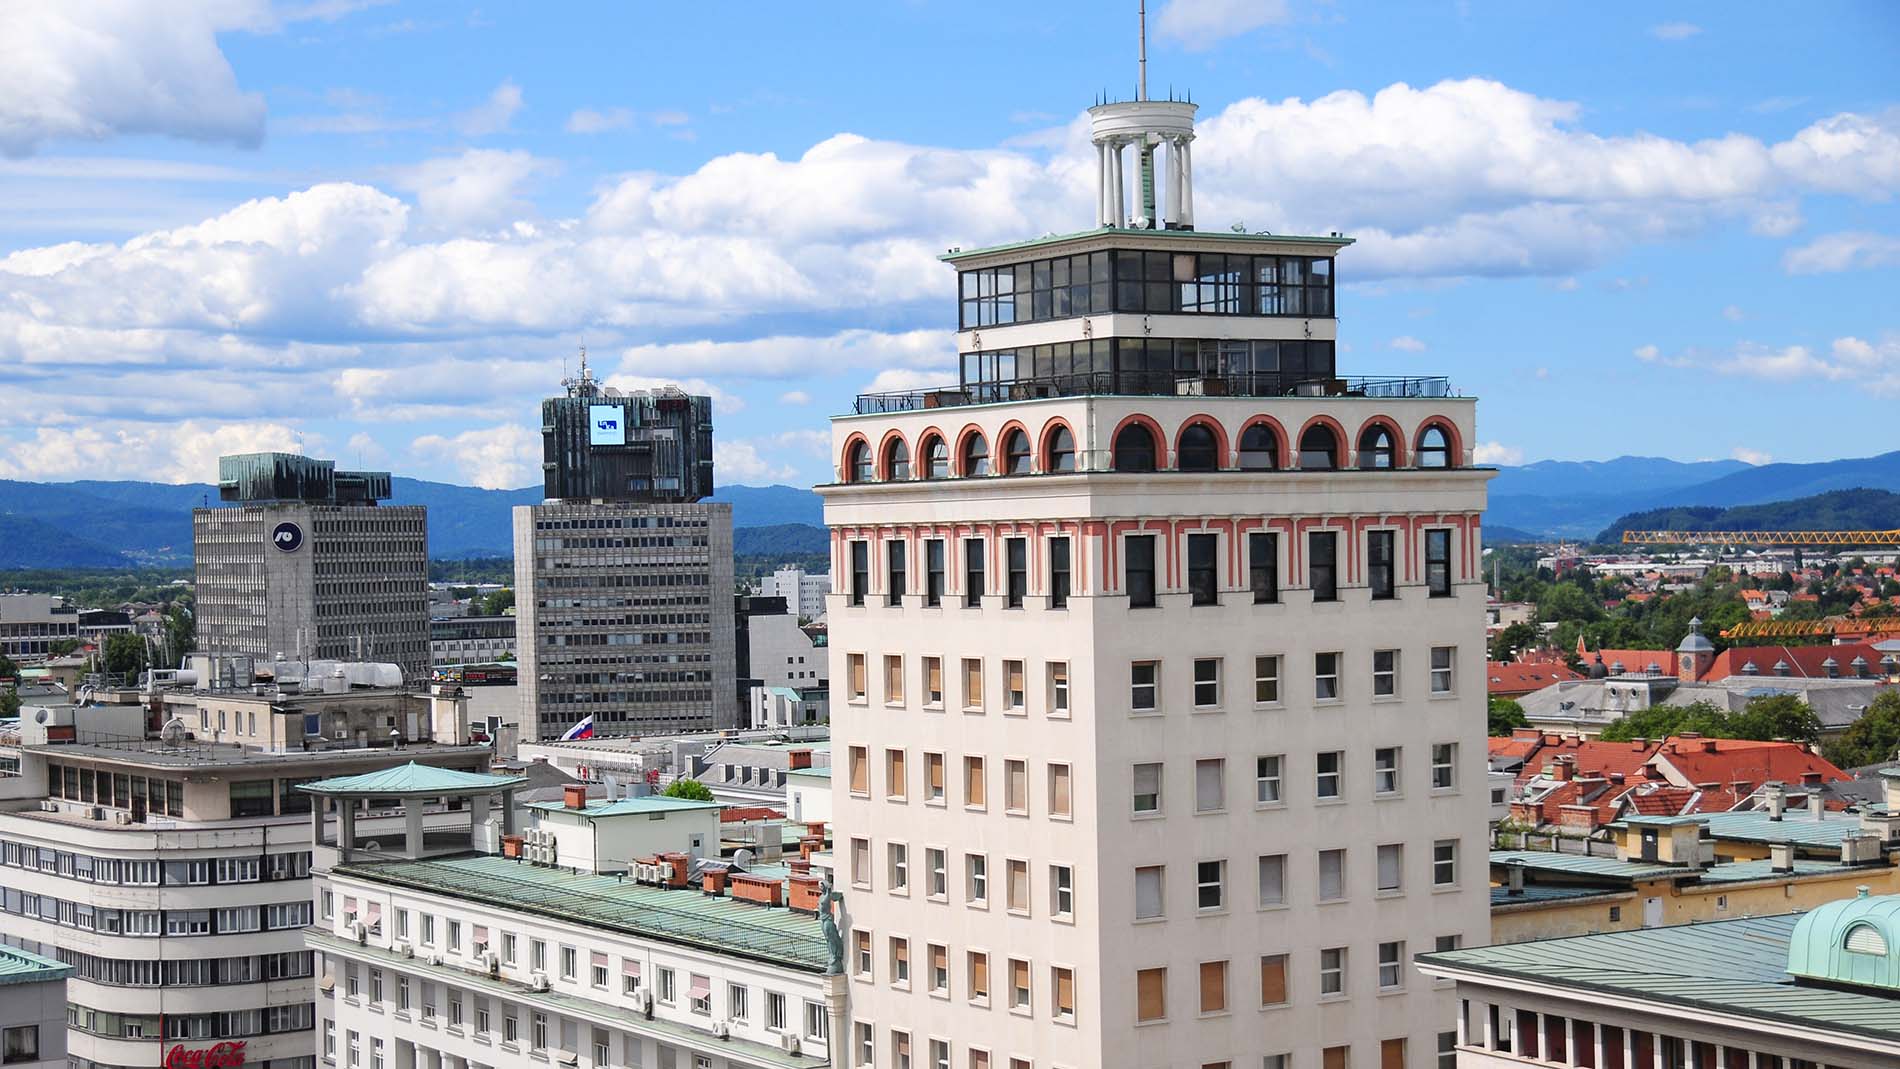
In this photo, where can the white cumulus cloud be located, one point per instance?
(1674, 31)
(480, 187)
(1497, 453)
(182, 452)
(1405, 343)
(491, 116)
(1199, 24)
(501, 457)
(1848, 250)
(590, 121)
(1750, 456)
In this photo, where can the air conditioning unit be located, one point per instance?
(404, 948)
(490, 963)
(49, 807)
(721, 1030)
(568, 1058)
(122, 818)
(96, 813)
(789, 1043)
(646, 1003)
(538, 982)
(361, 932)
(435, 959)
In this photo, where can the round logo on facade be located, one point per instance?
(287, 536)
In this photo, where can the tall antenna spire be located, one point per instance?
(1141, 86)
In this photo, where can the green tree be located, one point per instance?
(690, 789)
(9, 703)
(1567, 601)
(1872, 739)
(9, 669)
(181, 633)
(125, 654)
(497, 603)
(1513, 640)
(1506, 715)
(62, 647)
(1659, 721)
(1778, 716)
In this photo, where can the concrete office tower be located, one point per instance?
(306, 563)
(1157, 666)
(623, 578)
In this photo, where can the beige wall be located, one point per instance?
(1685, 904)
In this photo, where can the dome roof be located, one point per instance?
(1695, 641)
(1852, 941)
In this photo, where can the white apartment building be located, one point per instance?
(1157, 665)
(30, 624)
(173, 876)
(804, 593)
(453, 960)
(32, 1010)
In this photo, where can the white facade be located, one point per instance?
(31, 623)
(808, 795)
(602, 836)
(783, 655)
(32, 1011)
(803, 592)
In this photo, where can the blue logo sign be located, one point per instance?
(609, 426)
(287, 536)
(606, 425)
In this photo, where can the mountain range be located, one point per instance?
(113, 524)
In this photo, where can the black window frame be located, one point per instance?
(936, 458)
(975, 577)
(1382, 564)
(896, 571)
(1203, 567)
(1126, 461)
(1059, 572)
(1061, 451)
(975, 460)
(860, 570)
(1263, 567)
(933, 572)
(1322, 568)
(1438, 565)
(1138, 571)
(1011, 455)
(1203, 454)
(1015, 572)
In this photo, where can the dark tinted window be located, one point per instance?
(1135, 449)
(1322, 557)
(1139, 553)
(1203, 576)
(1263, 567)
(1199, 449)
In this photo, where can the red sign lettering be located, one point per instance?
(226, 1055)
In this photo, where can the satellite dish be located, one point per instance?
(42, 715)
(173, 731)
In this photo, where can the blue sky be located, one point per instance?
(378, 231)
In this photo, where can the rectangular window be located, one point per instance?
(1442, 658)
(1016, 550)
(896, 778)
(1328, 775)
(978, 970)
(936, 861)
(1392, 1053)
(1210, 885)
(1062, 985)
(939, 1054)
(1210, 785)
(861, 862)
(1263, 567)
(1016, 786)
(939, 964)
(1392, 969)
(972, 684)
(1322, 552)
(1150, 900)
(1018, 984)
(1385, 673)
(860, 771)
(976, 889)
(860, 571)
(1140, 571)
(1385, 770)
(1062, 891)
(1060, 801)
(568, 963)
(1326, 677)
(1444, 765)
(861, 954)
(1273, 985)
(775, 1011)
(933, 777)
(973, 577)
(1379, 565)
(1332, 875)
(896, 579)
(975, 783)
(1058, 689)
(933, 572)
(1445, 863)
(1266, 779)
(1438, 562)
(1213, 987)
(933, 682)
(1272, 868)
(898, 856)
(1391, 867)
(893, 679)
(859, 688)
(1206, 682)
(1144, 690)
(900, 962)
(1266, 680)
(1147, 788)
(1447, 1050)
(1203, 579)
(1015, 688)
(1151, 995)
(1332, 971)
(1058, 573)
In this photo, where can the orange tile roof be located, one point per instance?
(739, 813)
(1737, 767)
(1804, 662)
(1593, 756)
(1523, 677)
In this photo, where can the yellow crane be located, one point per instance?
(1762, 538)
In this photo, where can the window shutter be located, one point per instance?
(1208, 786)
(1151, 993)
(1273, 980)
(1148, 892)
(1333, 1058)
(1392, 1054)
(1213, 986)
(1389, 865)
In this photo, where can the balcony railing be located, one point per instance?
(1152, 384)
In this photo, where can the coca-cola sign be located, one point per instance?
(226, 1055)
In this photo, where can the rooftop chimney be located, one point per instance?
(1810, 779)
(1515, 878)
(574, 796)
(799, 759)
(1708, 745)
(1777, 800)
(1781, 857)
(1815, 807)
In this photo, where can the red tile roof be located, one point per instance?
(1593, 757)
(739, 813)
(1634, 662)
(1510, 680)
(1804, 662)
(1659, 801)
(1737, 767)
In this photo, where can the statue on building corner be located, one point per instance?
(831, 914)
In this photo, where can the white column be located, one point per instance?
(1174, 181)
(1101, 183)
(1187, 181)
(1115, 169)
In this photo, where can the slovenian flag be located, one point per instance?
(582, 730)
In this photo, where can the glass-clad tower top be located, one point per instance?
(265, 478)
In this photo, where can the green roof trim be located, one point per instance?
(1854, 941)
(1223, 235)
(777, 936)
(1736, 967)
(413, 781)
(1580, 865)
(653, 803)
(20, 967)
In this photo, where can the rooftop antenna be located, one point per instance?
(1141, 85)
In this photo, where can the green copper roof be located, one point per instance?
(1756, 826)
(19, 967)
(1853, 941)
(760, 933)
(1737, 967)
(649, 804)
(1579, 865)
(414, 780)
(1222, 235)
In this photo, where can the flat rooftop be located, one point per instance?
(776, 936)
(1611, 870)
(1736, 967)
(19, 967)
(153, 754)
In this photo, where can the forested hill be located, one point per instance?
(1837, 510)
